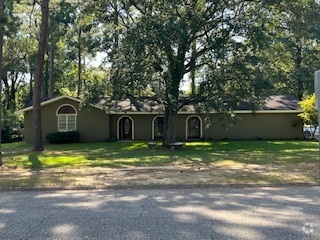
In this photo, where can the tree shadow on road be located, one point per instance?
(193, 213)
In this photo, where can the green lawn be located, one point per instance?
(99, 165)
(125, 154)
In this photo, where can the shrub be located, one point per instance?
(309, 114)
(11, 128)
(63, 137)
(111, 139)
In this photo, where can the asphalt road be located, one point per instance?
(187, 213)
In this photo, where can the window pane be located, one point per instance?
(66, 110)
(62, 123)
(66, 122)
(71, 122)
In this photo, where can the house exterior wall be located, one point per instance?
(248, 126)
(92, 123)
(96, 125)
(258, 126)
(142, 125)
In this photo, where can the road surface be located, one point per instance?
(168, 214)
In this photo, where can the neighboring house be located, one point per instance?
(144, 121)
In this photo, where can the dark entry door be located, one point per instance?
(125, 129)
(194, 128)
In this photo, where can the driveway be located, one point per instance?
(185, 213)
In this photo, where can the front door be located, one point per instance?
(125, 129)
(194, 128)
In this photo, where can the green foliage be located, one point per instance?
(238, 50)
(96, 86)
(159, 43)
(111, 139)
(63, 137)
(310, 114)
(11, 128)
(294, 53)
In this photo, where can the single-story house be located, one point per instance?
(129, 120)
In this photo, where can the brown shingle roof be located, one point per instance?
(272, 103)
(280, 103)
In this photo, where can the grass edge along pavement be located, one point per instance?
(104, 165)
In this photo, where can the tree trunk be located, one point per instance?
(51, 76)
(1, 62)
(13, 92)
(172, 96)
(171, 111)
(193, 70)
(6, 91)
(170, 119)
(45, 82)
(31, 86)
(38, 81)
(79, 64)
(298, 63)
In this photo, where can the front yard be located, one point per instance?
(96, 165)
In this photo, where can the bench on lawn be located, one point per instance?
(152, 145)
(176, 145)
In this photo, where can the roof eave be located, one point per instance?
(211, 112)
(270, 111)
(23, 110)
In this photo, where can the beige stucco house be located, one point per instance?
(144, 121)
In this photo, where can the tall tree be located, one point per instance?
(295, 49)
(15, 64)
(84, 39)
(37, 125)
(2, 5)
(163, 42)
(62, 16)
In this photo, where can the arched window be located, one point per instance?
(67, 118)
(158, 125)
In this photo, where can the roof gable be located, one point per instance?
(45, 102)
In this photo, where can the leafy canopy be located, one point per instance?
(310, 114)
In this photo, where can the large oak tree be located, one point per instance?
(160, 43)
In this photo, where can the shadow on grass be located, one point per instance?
(123, 154)
(34, 160)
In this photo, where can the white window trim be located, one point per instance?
(57, 114)
(153, 120)
(187, 126)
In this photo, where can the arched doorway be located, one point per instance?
(157, 126)
(194, 130)
(125, 129)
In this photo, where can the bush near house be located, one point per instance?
(12, 128)
(63, 137)
(309, 114)
(10, 134)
